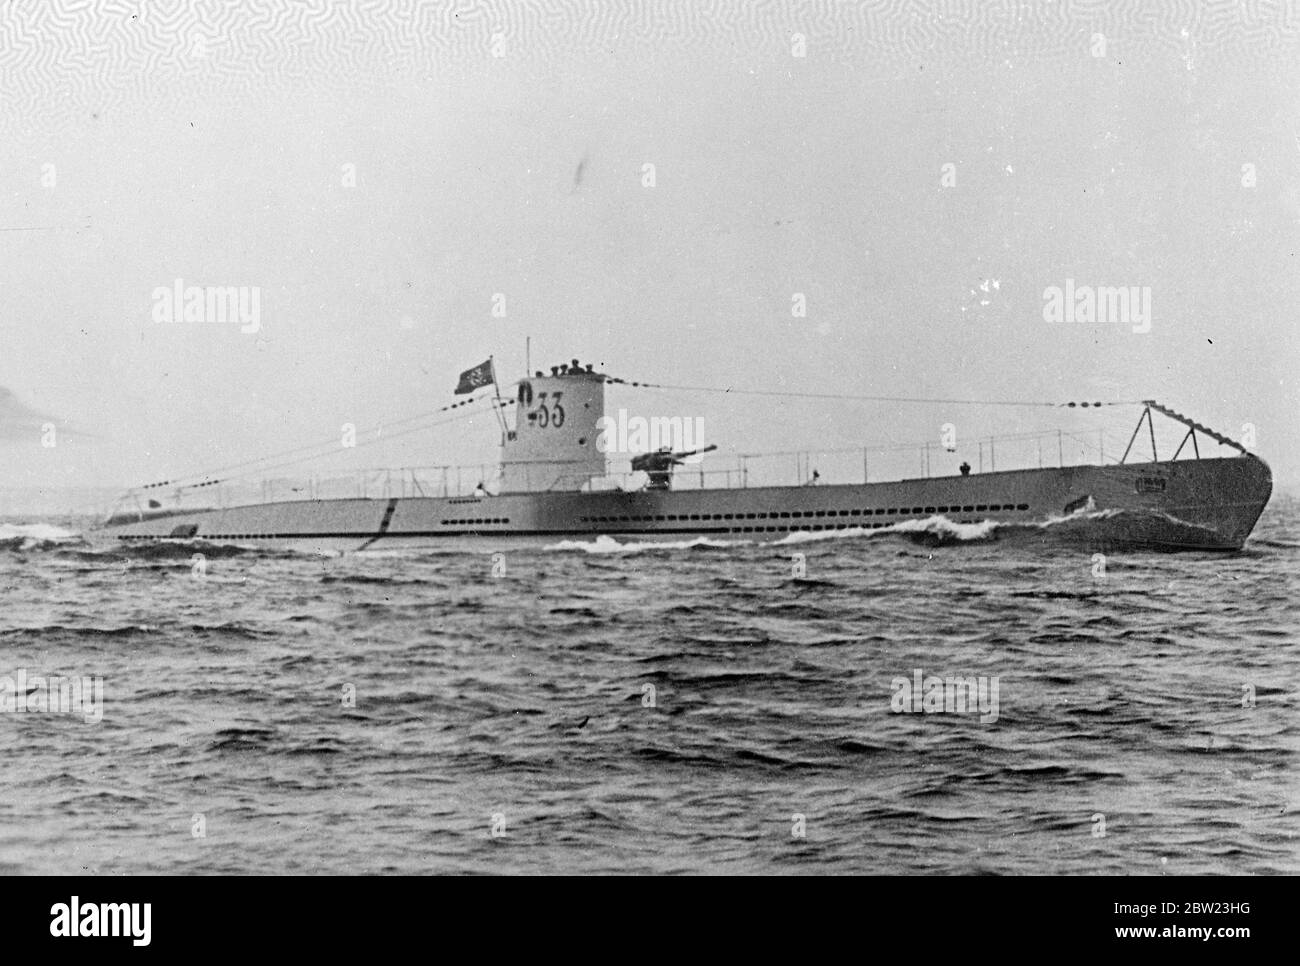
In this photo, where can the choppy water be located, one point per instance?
(521, 701)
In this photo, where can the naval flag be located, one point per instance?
(476, 378)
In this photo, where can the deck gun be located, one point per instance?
(659, 465)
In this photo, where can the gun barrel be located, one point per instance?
(694, 452)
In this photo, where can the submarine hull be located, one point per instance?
(1201, 504)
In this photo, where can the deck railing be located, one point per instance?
(874, 463)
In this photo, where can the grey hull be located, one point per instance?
(1207, 504)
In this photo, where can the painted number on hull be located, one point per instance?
(544, 416)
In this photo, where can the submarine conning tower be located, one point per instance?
(553, 446)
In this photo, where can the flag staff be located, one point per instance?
(500, 406)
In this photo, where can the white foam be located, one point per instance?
(941, 524)
(37, 531)
(815, 536)
(1082, 514)
(606, 544)
(937, 524)
(933, 524)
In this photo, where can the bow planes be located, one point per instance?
(554, 483)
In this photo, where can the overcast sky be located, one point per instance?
(1165, 157)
